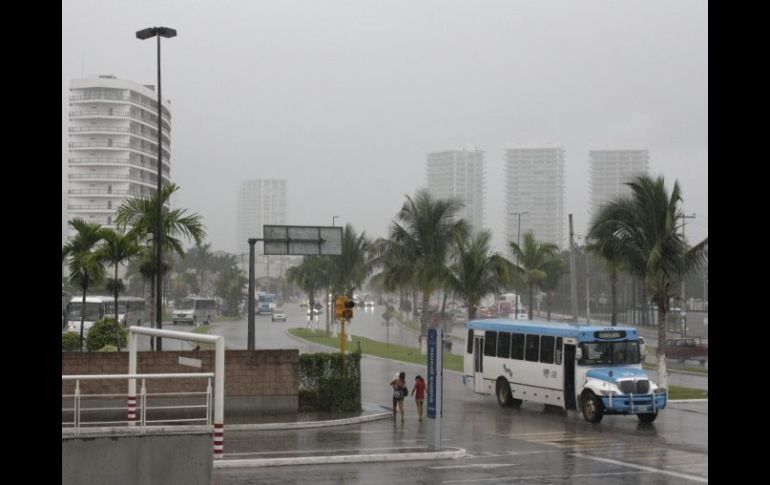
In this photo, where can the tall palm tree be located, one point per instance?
(554, 269)
(534, 260)
(200, 259)
(476, 271)
(140, 216)
(423, 235)
(115, 249)
(350, 270)
(644, 230)
(604, 245)
(84, 265)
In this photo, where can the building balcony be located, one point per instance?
(98, 128)
(151, 181)
(91, 208)
(107, 192)
(99, 114)
(95, 161)
(99, 144)
(101, 97)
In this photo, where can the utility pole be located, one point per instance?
(684, 301)
(588, 293)
(572, 271)
(518, 243)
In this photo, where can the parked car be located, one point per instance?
(683, 349)
(278, 315)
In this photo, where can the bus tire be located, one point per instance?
(592, 407)
(503, 393)
(647, 417)
(208, 320)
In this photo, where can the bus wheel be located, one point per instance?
(208, 321)
(503, 393)
(647, 417)
(593, 410)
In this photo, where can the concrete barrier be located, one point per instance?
(184, 458)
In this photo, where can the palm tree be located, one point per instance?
(422, 237)
(141, 214)
(476, 271)
(604, 245)
(229, 287)
(85, 266)
(350, 270)
(116, 248)
(200, 259)
(554, 270)
(534, 260)
(311, 275)
(643, 229)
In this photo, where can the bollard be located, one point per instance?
(219, 440)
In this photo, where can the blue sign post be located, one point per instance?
(435, 394)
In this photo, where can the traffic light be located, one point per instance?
(348, 312)
(339, 307)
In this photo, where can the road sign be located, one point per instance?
(302, 240)
(435, 394)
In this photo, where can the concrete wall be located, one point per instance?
(256, 382)
(138, 460)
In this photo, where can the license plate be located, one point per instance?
(643, 408)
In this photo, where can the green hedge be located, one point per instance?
(330, 382)
(70, 342)
(102, 333)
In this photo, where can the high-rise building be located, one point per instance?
(534, 188)
(260, 201)
(610, 169)
(113, 148)
(459, 172)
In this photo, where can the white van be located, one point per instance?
(194, 310)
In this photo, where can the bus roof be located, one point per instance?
(91, 299)
(580, 331)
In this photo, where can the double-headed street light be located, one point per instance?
(143, 35)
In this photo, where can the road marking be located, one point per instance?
(645, 468)
(522, 477)
(478, 465)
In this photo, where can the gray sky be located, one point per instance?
(344, 98)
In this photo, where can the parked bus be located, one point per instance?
(595, 369)
(130, 311)
(195, 310)
(265, 303)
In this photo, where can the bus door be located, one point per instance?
(478, 363)
(569, 376)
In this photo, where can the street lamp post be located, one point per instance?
(518, 242)
(329, 297)
(143, 35)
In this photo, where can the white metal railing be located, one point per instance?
(78, 409)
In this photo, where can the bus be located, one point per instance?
(130, 311)
(507, 305)
(195, 310)
(594, 369)
(265, 303)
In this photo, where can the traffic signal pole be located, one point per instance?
(343, 312)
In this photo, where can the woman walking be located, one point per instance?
(399, 392)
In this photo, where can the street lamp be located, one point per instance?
(333, 218)
(143, 35)
(518, 242)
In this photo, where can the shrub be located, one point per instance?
(103, 333)
(70, 342)
(330, 382)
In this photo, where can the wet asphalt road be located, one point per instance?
(528, 445)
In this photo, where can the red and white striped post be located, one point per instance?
(219, 397)
(132, 341)
(131, 410)
(219, 440)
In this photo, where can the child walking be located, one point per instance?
(418, 391)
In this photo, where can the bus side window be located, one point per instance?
(470, 341)
(533, 348)
(490, 344)
(558, 350)
(517, 346)
(504, 345)
(546, 349)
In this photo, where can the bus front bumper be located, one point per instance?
(634, 404)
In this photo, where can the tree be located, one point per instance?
(350, 270)
(604, 245)
(116, 248)
(643, 228)
(310, 275)
(476, 271)
(554, 269)
(422, 237)
(534, 260)
(84, 265)
(140, 215)
(229, 287)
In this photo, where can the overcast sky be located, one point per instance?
(343, 99)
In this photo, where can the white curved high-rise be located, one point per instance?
(113, 146)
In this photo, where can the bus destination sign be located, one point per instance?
(610, 335)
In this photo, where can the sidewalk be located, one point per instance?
(285, 449)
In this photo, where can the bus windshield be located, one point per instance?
(610, 353)
(92, 311)
(266, 298)
(184, 304)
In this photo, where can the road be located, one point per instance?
(531, 443)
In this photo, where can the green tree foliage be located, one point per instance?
(70, 342)
(534, 258)
(330, 382)
(229, 287)
(102, 333)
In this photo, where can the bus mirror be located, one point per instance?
(578, 353)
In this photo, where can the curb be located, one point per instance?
(308, 424)
(450, 454)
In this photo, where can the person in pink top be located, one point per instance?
(418, 391)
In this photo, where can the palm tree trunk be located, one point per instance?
(614, 297)
(531, 293)
(83, 313)
(661, 351)
(117, 326)
(152, 309)
(548, 298)
(424, 316)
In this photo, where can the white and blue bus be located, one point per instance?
(131, 311)
(265, 303)
(594, 369)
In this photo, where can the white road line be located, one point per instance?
(477, 465)
(522, 477)
(645, 468)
